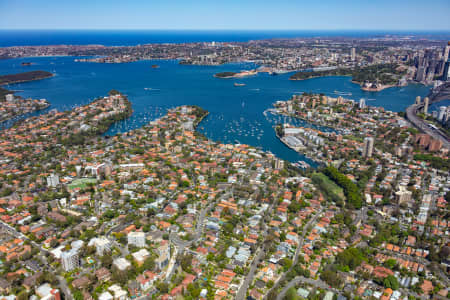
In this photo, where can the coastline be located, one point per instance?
(361, 85)
(306, 120)
(318, 162)
(25, 113)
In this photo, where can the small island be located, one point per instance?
(24, 77)
(225, 75)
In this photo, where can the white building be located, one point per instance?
(163, 255)
(105, 296)
(368, 147)
(53, 180)
(136, 238)
(9, 97)
(101, 244)
(362, 103)
(70, 260)
(140, 256)
(119, 293)
(46, 292)
(121, 263)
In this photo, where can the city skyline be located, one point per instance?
(232, 15)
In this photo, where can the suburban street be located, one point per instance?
(299, 248)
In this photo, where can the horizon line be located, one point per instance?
(231, 29)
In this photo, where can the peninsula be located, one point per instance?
(370, 78)
(24, 77)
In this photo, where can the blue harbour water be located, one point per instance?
(236, 113)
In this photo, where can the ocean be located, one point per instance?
(136, 37)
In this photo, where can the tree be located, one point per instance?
(106, 260)
(186, 262)
(163, 287)
(77, 295)
(351, 257)
(390, 263)
(149, 264)
(291, 294)
(331, 277)
(23, 295)
(391, 282)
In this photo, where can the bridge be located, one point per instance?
(436, 94)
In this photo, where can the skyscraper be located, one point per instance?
(353, 54)
(368, 147)
(446, 52)
(441, 115)
(425, 107)
(446, 75)
(362, 103)
(445, 55)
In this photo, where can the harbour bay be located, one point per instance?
(236, 112)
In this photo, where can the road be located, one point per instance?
(62, 281)
(242, 291)
(299, 249)
(411, 113)
(300, 279)
(436, 94)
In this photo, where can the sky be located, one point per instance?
(226, 14)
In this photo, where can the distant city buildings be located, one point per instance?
(426, 103)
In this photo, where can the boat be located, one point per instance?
(301, 164)
(155, 66)
(239, 84)
(342, 93)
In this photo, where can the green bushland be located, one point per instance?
(225, 74)
(384, 73)
(435, 161)
(351, 190)
(25, 76)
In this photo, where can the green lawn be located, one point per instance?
(82, 183)
(329, 185)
